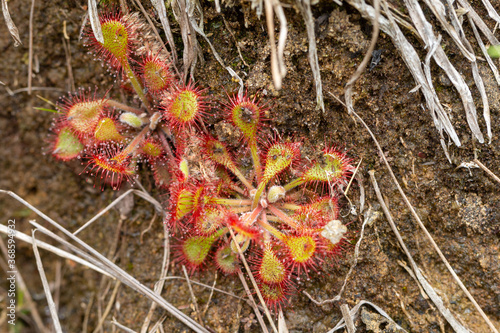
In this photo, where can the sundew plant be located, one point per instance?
(281, 209)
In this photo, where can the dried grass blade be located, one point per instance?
(14, 32)
(426, 32)
(122, 327)
(440, 117)
(491, 11)
(275, 70)
(305, 9)
(278, 9)
(479, 22)
(426, 232)
(440, 12)
(61, 253)
(116, 271)
(111, 267)
(412, 61)
(353, 312)
(46, 288)
(492, 65)
(217, 56)
(425, 285)
(95, 23)
(162, 14)
(484, 97)
(488, 171)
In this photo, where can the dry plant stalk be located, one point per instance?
(14, 32)
(162, 13)
(421, 279)
(424, 229)
(446, 15)
(278, 69)
(46, 288)
(305, 9)
(101, 261)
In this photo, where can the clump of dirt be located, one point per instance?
(458, 205)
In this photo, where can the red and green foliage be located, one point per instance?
(283, 229)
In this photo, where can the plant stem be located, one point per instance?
(132, 146)
(238, 210)
(242, 178)
(282, 215)
(256, 160)
(275, 232)
(259, 192)
(232, 202)
(250, 219)
(124, 107)
(289, 206)
(294, 183)
(136, 84)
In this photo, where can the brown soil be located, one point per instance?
(460, 207)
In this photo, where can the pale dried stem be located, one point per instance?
(352, 177)
(112, 268)
(30, 52)
(305, 9)
(108, 306)
(422, 226)
(252, 279)
(122, 327)
(193, 297)
(366, 59)
(67, 51)
(46, 288)
(22, 285)
(344, 308)
(488, 171)
(253, 304)
(61, 253)
(14, 32)
(427, 287)
(162, 13)
(161, 281)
